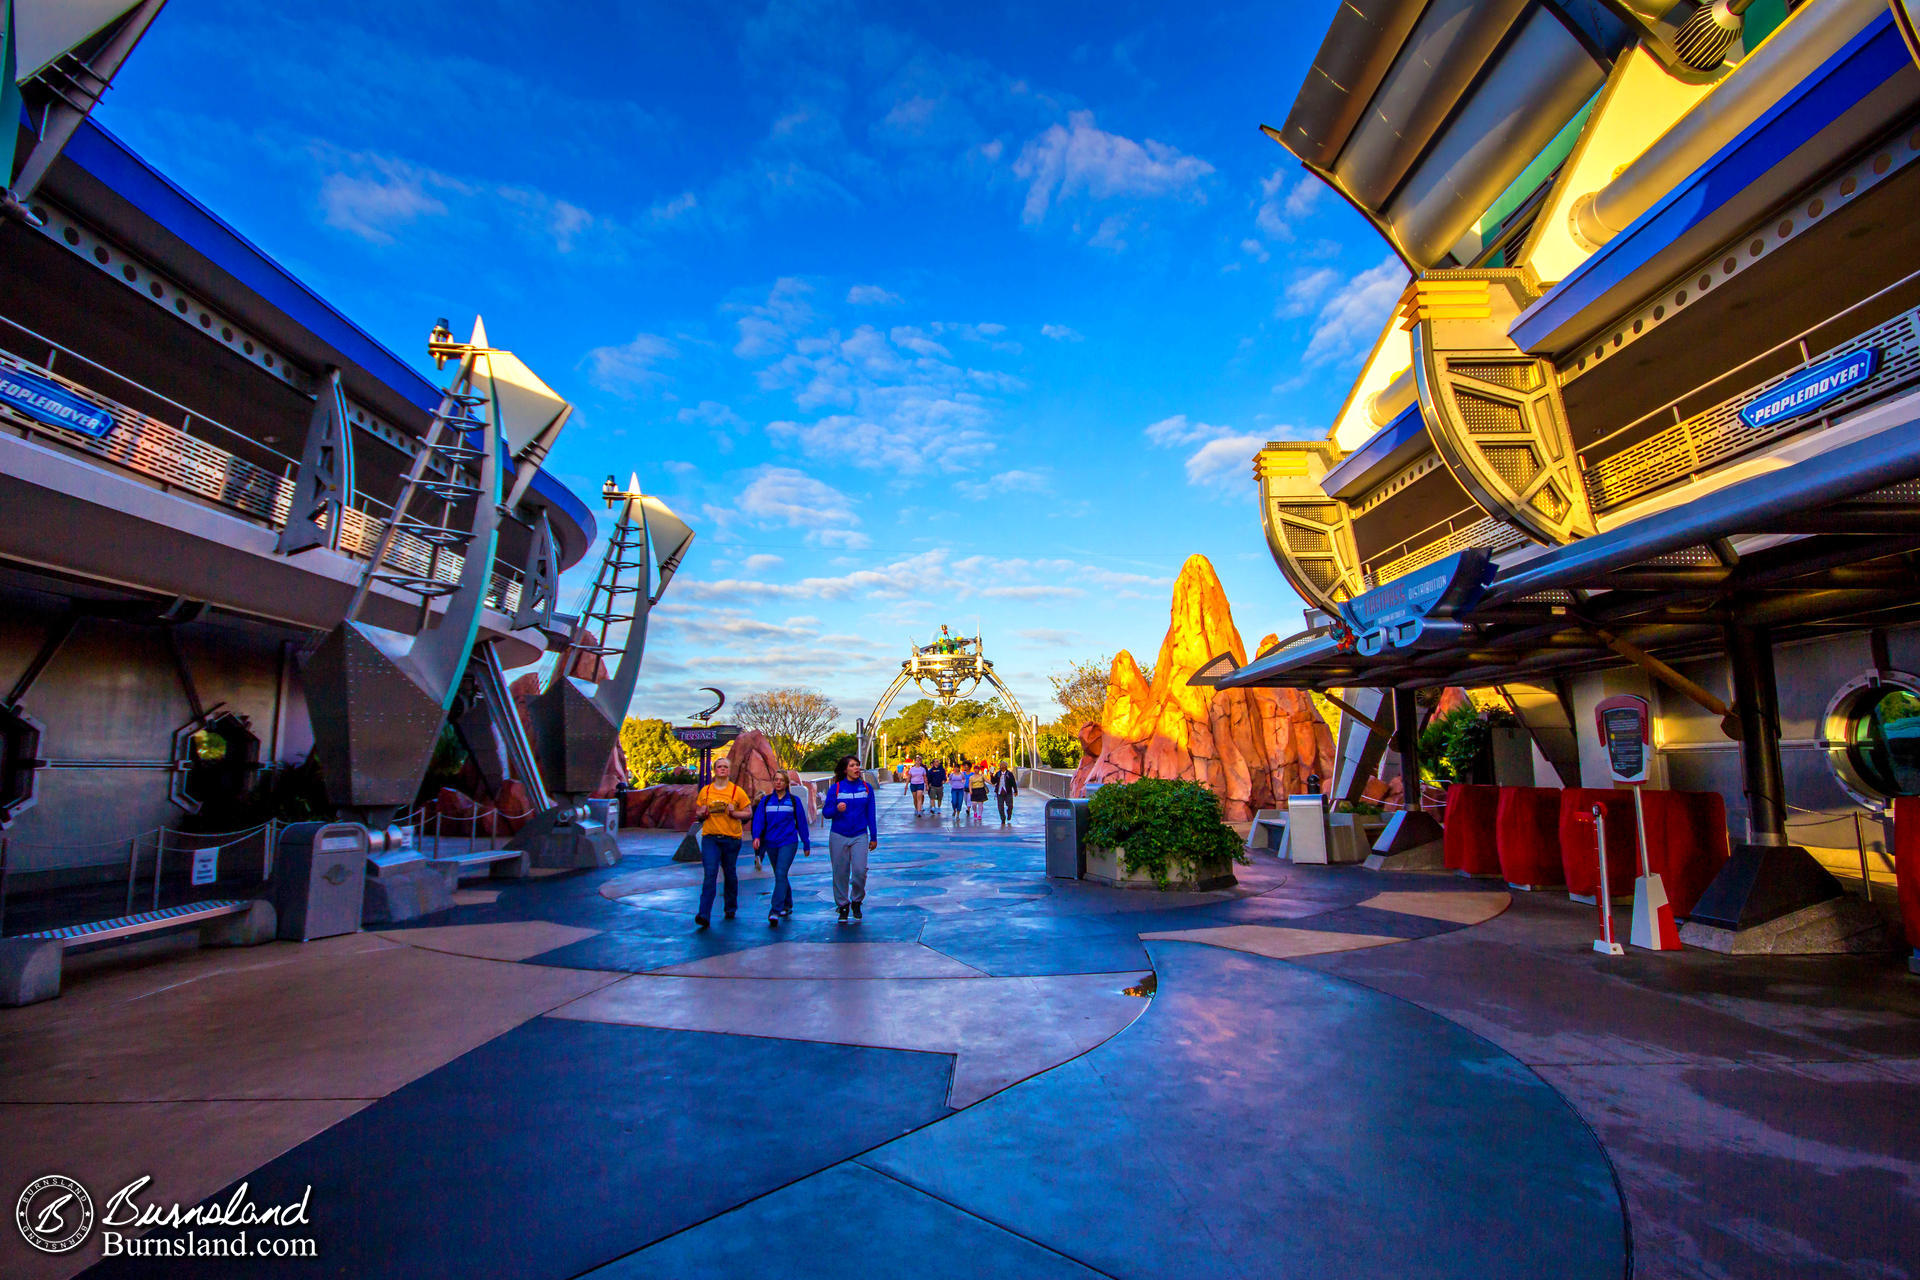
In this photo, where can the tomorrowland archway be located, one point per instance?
(947, 670)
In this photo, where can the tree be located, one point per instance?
(971, 728)
(831, 752)
(794, 720)
(650, 746)
(1060, 749)
(1082, 690)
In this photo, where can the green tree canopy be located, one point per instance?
(650, 747)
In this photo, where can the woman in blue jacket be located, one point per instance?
(779, 828)
(853, 831)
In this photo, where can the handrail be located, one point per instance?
(177, 459)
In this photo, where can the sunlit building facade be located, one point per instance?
(1645, 420)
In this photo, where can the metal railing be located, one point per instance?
(185, 463)
(1718, 435)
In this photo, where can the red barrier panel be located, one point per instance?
(1527, 837)
(1578, 858)
(1686, 842)
(1467, 841)
(1906, 863)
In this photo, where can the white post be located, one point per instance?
(1605, 944)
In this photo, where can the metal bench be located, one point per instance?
(479, 861)
(140, 923)
(31, 963)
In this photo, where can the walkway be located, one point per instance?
(1341, 1074)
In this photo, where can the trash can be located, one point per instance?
(1066, 839)
(319, 879)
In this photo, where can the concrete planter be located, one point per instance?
(1108, 867)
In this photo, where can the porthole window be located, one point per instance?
(1873, 737)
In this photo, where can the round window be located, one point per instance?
(1873, 737)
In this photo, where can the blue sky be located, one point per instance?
(969, 314)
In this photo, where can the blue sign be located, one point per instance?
(1401, 611)
(52, 403)
(1805, 392)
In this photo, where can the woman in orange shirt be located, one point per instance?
(724, 806)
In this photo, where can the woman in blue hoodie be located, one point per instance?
(779, 828)
(853, 831)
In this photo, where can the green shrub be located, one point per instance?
(1164, 825)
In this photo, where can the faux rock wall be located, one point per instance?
(1251, 747)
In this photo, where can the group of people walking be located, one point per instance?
(967, 785)
(780, 829)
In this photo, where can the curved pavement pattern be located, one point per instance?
(959, 1085)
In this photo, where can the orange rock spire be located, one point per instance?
(1251, 747)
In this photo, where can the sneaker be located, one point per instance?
(701, 921)
(729, 915)
(786, 911)
(843, 915)
(773, 920)
(856, 909)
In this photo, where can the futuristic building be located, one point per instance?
(1647, 418)
(253, 564)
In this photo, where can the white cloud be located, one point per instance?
(1282, 205)
(1305, 292)
(630, 366)
(1047, 637)
(762, 563)
(781, 495)
(872, 295)
(767, 329)
(1006, 482)
(1254, 249)
(1081, 159)
(1061, 333)
(1227, 459)
(710, 413)
(1352, 318)
(1221, 453)
(373, 205)
(1036, 591)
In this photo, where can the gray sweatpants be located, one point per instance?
(849, 854)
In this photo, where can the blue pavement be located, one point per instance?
(1258, 1118)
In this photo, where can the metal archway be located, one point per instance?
(944, 670)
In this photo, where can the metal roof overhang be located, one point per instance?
(1859, 92)
(105, 182)
(1421, 112)
(1386, 451)
(1800, 548)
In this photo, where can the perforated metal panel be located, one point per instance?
(1719, 436)
(1513, 376)
(1516, 464)
(1484, 417)
(162, 452)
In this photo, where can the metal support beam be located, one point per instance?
(1406, 741)
(1757, 703)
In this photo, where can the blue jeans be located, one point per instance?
(959, 798)
(781, 857)
(717, 854)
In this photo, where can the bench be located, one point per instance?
(30, 963)
(141, 923)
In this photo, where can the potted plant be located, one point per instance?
(1158, 833)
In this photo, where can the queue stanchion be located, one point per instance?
(1604, 944)
(1653, 927)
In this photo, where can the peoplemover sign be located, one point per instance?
(53, 404)
(1805, 392)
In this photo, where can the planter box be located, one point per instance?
(1108, 867)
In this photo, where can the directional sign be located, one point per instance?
(1805, 392)
(53, 404)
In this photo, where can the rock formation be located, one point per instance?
(1251, 747)
(668, 806)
